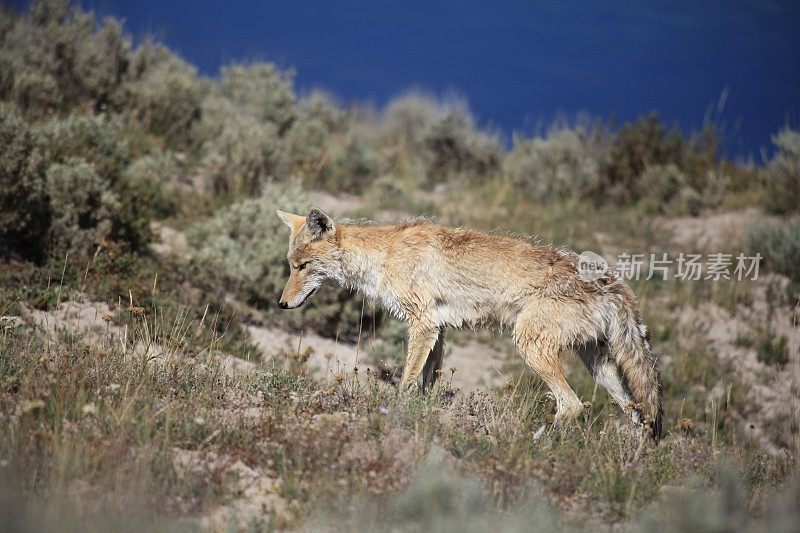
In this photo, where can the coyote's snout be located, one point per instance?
(433, 277)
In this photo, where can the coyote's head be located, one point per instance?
(312, 255)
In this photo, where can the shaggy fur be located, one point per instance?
(432, 277)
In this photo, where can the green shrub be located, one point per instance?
(306, 147)
(165, 93)
(715, 185)
(433, 141)
(669, 190)
(67, 186)
(688, 202)
(453, 146)
(59, 60)
(240, 152)
(323, 108)
(406, 118)
(152, 179)
(24, 208)
(354, 163)
(665, 189)
(244, 247)
(260, 90)
(83, 205)
(781, 178)
(565, 164)
(772, 349)
(7, 20)
(660, 183)
(778, 245)
(98, 139)
(306, 151)
(241, 127)
(101, 62)
(147, 191)
(700, 155)
(638, 145)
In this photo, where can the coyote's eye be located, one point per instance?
(302, 266)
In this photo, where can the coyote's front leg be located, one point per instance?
(422, 335)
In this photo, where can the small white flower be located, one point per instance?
(199, 420)
(89, 409)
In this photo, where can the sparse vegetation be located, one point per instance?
(782, 176)
(779, 245)
(566, 164)
(141, 260)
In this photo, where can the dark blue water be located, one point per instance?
(519, 64)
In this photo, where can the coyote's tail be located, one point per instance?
(629, 343)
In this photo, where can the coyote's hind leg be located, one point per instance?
(596, 356)
(540, 345)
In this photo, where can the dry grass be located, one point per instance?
(125, 426)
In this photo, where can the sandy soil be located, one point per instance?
(477, 365)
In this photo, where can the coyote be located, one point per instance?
(433, 276)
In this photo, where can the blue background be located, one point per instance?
(519, 64)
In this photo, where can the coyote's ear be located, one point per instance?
(319, 223)
(290, 219)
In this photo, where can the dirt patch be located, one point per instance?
(771, 391)
(339, 205)
(251, 496)
(93, 322)
(717, 230)
(326, 357)
(170, 242)
(476, 365)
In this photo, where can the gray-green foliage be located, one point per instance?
(354, 162)
(66, 185)
(152, 181)
(56, 59)
(668, 189)
(260, 90)
(779, 245)
(433, 141)
(454, 146)
(241, 127)
(665, 189)
(165, 93)
(24, 208)
(306, 147)
(782, 176)
(83, 204)
(244, 246)
(239, 151)
(405, 119)
(724, 507)
(438, 499)
(567, 163)
(246, 243)
(99, 139)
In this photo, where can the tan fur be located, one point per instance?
(432, 277)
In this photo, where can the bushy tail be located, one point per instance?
(629, 343)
